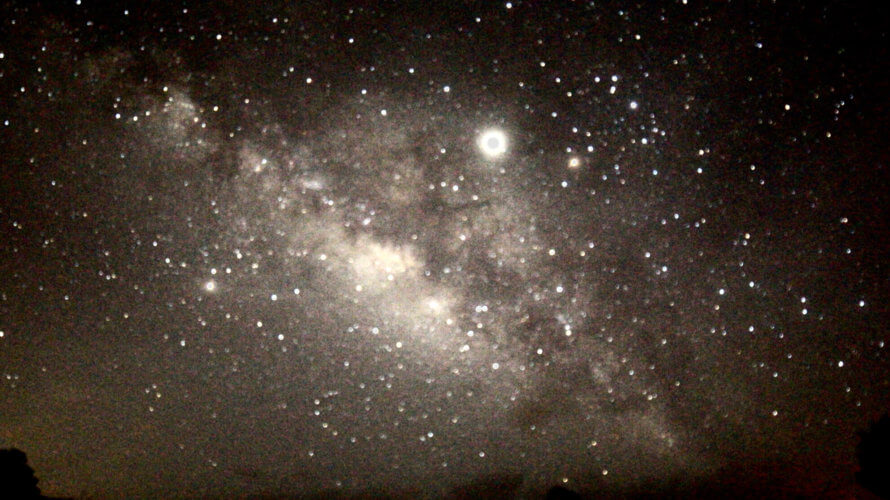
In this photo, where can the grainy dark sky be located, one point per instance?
(281, 248)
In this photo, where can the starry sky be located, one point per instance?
(304, 248)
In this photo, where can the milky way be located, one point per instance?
(343, 249)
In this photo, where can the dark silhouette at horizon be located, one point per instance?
(873, 454)
(17, 479)
(741, 480)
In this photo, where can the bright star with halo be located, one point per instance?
(493, 143)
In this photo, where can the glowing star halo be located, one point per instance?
(574, 163)
(493, 143)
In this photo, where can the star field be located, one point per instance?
(335, 249)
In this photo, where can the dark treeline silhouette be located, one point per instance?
(748, 480)
(560, 493)
(17, 478)
(873, 454)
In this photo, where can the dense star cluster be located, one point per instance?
(302, 248)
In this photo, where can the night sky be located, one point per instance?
(280, 248)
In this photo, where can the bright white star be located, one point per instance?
(493, 143)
